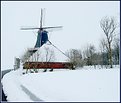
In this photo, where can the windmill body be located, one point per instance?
(42, 38)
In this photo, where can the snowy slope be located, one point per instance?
(70, 85)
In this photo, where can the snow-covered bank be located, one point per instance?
(70, 85)
(11, 87)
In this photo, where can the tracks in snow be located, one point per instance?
(31, 95)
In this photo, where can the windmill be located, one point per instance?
(42, 36)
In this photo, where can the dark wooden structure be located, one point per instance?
(48, 65)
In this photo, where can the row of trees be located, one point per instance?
(89, 56)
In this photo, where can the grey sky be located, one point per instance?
(80, 21)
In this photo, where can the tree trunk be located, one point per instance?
(110, 55)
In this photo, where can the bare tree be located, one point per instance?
(26, 55)
(26, 58)
(109, 26)
(49, 56)
(88, 54)
(75, 57)
(35, 58)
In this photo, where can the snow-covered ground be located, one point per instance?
(83, 85)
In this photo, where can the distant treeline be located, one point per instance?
(108, 55)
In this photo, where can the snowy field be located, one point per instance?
(82, 85)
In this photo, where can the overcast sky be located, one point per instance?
(80, 21)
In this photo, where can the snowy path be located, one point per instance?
(31, 95)
(15, 85)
